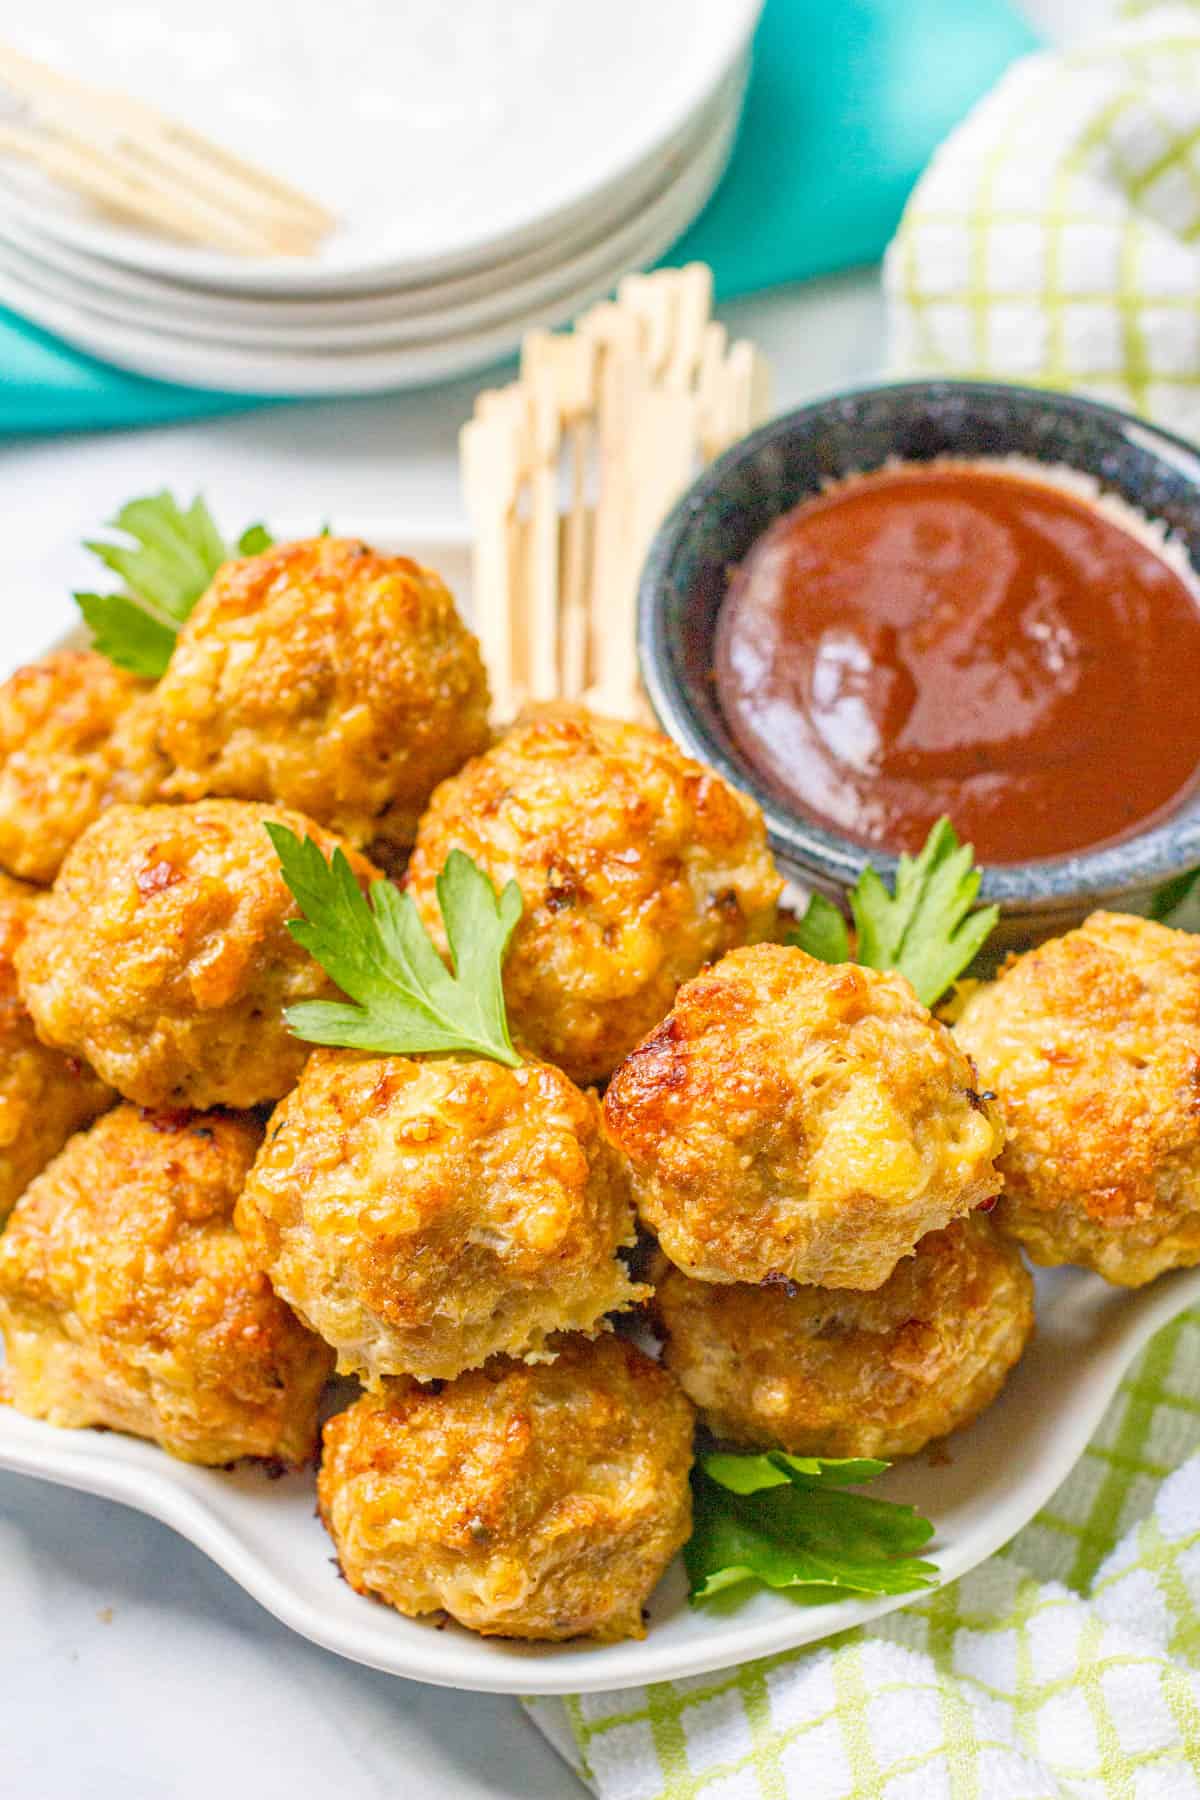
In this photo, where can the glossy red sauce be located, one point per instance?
(957, 639)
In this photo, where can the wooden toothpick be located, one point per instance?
(569, 472)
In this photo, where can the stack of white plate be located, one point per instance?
(494, 165)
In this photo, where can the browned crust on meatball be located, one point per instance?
(128, 1300)
(636, 866)
(44, 1096)
(533, 1502)
(1092, 1042)
(162, 954)
(329, 678)
(75, 737)
(796, 1120)
(425, 1214)
(830, 1372)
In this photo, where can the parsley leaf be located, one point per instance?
(253, 540)
(132, 639)
(926, 930)
(1172, 895)
(822, 932)
(404, 999)
(789, 1522)
(167, 561)
(775, 1468)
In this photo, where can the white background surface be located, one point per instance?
(132, 1669)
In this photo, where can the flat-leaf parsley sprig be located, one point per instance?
(402, 998)
(166, 564)
(1173, 896)
(794, 1522)
(927, 930)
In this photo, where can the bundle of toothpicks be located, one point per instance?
(568, 472)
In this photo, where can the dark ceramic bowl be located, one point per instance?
(734, 501)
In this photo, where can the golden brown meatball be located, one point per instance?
(44, 1096)
(162, 954)
(76, 736)
(539, 1502)
(797, 1120)
(327, 677)
(1092, 1043)
(637, 866)
(830, 1372)
(425, 1214)
(127, 1298)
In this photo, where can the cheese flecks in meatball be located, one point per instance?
(796, 1120)
(76, 736)
(531, 1502)
(425, 1214)
(1092, 1042)
(162, 954)
(326, 677)
(127, 1298)
(830, 1372)
(44, 1096)
(636, 866)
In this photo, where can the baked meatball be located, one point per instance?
(829, 1372)
(162, 954)
(44, 1096)
(539, 1502)
(425, 1214)
(1092, 1042)
(327, 677)
(802, 1121)
(636, 866)
(127, 1298)
(76, 736)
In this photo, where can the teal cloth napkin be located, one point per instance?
(847, 100)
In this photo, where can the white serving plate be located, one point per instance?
(155, 300)
(106, 316)
(237, 368)
(263, 1533)
(440, 135)
(989, 1481)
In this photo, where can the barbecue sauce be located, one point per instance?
(960, 639)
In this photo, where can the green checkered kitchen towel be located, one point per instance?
(1055, 237)
(1069, 1665)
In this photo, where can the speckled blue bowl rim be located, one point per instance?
(812, 851)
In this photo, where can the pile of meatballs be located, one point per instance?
(813, 1191)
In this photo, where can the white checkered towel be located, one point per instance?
(1055, 237)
